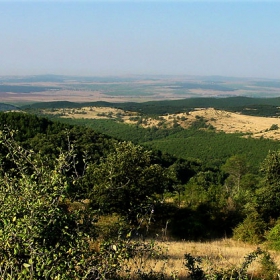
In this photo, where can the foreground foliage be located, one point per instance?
(39, 235)
(45, 234)
(51, 199)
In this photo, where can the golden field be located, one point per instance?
(220, 255)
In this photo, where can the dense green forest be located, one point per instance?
(207, 146)
(60, 181)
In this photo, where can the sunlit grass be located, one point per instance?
(220, 255)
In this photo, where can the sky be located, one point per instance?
(117, 38)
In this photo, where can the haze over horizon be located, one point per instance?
(116, 38)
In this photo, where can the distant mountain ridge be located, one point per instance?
(8, 107)
(246, 105)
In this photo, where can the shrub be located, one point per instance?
(251, 230)
(268, 269)
(196, 272)
(41, 236)
(273, 237)
(193, 266)
(274, 127)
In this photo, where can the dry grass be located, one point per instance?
(233, 122)
(221, 120)
(219, 255)
(92, 113)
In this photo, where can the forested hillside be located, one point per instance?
(77, 200)
(7, 107)
(208, 146)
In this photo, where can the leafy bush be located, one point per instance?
(273, 237)
(196, 272)
(268, 269)
(126, 182)
(40, 235)
(193, 266)
(274, 127)
(251, 230)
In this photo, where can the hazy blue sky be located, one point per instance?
(230, 38)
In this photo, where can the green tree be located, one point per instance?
(236, 166)
(271, 167)
(268, 195)
(126, 182)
